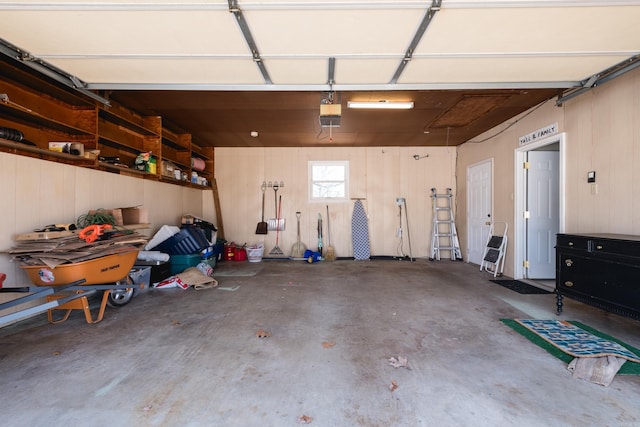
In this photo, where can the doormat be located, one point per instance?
(591, 338)
(520, 287)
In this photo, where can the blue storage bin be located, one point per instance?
(188, 241)
(218, 249)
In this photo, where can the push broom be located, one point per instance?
(331, 254)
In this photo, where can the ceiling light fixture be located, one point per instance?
(383, 105)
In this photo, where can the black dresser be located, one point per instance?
(602, 270)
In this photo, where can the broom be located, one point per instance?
(331, 254)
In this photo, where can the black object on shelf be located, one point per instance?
(11, 134)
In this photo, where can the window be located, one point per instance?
(328, 180)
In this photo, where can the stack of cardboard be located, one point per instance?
(54, 250)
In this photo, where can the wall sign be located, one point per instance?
(538, 134)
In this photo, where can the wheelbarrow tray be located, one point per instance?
(106, 269)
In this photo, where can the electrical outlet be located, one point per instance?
(399, 201)
(594, 189)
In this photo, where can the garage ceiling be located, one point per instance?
(221, 69)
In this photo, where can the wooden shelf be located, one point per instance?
(177, 141)
(120, 116)
(203, 153)
(45, 112)
(18, 148)
(26, 106)
(126, 171)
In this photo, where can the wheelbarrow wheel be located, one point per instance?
(120, 297)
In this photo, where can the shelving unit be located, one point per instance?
(27, 150)
(176, 149)
(42, 115)
(124, 134)
(207, 155)
(44, 112)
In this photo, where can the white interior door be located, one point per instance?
(543, 223)
(479, 209)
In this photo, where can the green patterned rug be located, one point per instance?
(630, 368)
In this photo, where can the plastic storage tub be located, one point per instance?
(255, 252)
(188, 241)
(180, 263)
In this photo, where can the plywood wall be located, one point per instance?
(378, 174)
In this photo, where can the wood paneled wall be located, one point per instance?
(602, 129)
(377, 174)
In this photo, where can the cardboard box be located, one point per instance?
(116, 213)
(127, 216)
(167, 169)
(91, 154)
(135, 215)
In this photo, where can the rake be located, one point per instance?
(276, 249)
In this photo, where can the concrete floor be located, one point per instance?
(192, 358)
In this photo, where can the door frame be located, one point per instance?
(490, 161)
(519, 234)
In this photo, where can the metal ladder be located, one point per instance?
(444, 236)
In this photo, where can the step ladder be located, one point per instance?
(444, 236)
(493, 259)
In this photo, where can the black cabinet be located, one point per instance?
(602, 270)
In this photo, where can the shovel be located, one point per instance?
(297, 251)
(262, 226)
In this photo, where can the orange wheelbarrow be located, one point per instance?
(69, 285)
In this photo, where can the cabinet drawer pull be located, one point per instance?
(599, 247)
(568, 262)
(568, 284)
(570, 243)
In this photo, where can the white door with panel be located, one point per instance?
(542, 206)
(479, 209)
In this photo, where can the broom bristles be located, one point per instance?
(330, 255)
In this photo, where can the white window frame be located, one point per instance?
(342, 163)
